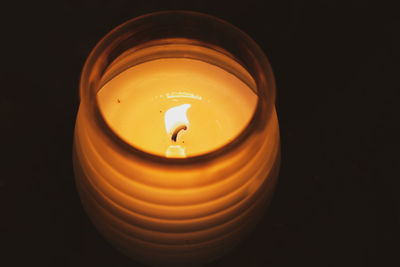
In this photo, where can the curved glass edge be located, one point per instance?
(138, 31)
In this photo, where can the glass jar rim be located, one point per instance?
(252, 57)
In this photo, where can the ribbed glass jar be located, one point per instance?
(176, 211)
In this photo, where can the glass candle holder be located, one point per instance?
(176, 146)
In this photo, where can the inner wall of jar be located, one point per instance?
(176, 99)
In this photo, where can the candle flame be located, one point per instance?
(175, 121)
(176, 117)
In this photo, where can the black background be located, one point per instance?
(337, 202)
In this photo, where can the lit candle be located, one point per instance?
(176, 146)
(177, 107)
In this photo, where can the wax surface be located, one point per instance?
(204, 105)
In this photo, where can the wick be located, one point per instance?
(177, 130)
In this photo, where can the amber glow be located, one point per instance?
(166, 214)
(159, 96)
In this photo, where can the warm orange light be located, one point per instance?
(176, 146)
(159, 96)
